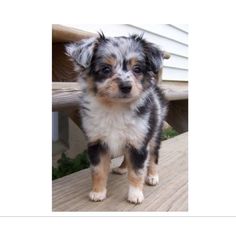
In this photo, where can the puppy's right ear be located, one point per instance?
(82, 52)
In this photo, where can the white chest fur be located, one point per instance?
(116, 126)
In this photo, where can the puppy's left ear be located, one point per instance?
(82, 52)
(154, 57)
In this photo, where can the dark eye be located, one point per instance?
(106, 70)
(137, 69)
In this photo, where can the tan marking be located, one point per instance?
(135, 180)
(105, 101)
(137, 87)
(132, 62)
(90, 84)
(152, 166)
(110, 61)
(100, 173)
(152, 177)
(113, 87)
(107, 90)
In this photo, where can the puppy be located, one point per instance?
(122, 109)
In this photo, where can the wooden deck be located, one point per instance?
(70, 193)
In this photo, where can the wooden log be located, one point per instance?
(64, 34)
(65, 95)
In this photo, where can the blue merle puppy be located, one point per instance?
(122, 109)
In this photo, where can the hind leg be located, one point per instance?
(122, 169)
(152, 177)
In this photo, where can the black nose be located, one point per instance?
(125, 87)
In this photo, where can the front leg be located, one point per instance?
(136, 173)
(100, 165)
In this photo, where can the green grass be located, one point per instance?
(168, 133)
(67, 165)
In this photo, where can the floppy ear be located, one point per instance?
(154, 57)
(82, 51)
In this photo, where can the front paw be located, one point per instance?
(152, 180)
(135, 195)
(97, 196)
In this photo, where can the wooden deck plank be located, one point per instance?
(70, 193)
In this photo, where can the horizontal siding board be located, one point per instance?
(177, 61)
(166, 31)
(118, 30)
(175, 67)
(175, 54)
(182, 27)
(174, 74)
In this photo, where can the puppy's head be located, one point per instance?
(117, 69)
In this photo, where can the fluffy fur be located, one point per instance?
(121, 107)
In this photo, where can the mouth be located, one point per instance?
(123, 98)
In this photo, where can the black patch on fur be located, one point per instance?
(137, 37)
(113, 56)
(152, 123)
(96, 74)
(100, 77)
(158, 143)
(145, 107)
(161, 96)
(138, 157)
(146, 81)
(164, 104)
(101, 37)
(157, 147)
(94, 152)
(153, 55)
(115, 44)
(95, 69)
(124, 65)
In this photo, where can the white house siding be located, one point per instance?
(172, 38)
